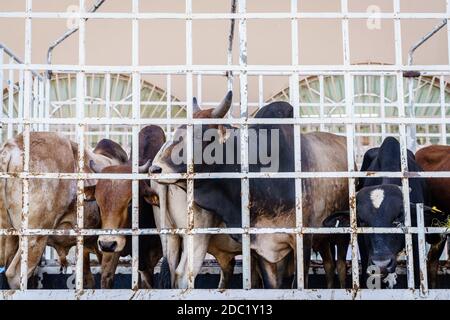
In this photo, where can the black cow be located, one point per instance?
(272, 201)
(380, 204)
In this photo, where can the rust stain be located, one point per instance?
(352, 202)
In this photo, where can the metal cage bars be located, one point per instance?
(243, 70)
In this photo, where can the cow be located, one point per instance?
(436, 158)
(52, 202)
(379, 203)
(272, 201)
(113, 197)
(62, 245)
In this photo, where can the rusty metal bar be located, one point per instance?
(136, 114)
(422, 250)
(80, 128)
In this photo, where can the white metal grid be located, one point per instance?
(241, 70)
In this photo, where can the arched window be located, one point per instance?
(373, 96)
(99, 101)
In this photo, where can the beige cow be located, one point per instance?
(51, 201)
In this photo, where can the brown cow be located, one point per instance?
(114, 200)
(62, 245)
(51, 201)
(436, 158)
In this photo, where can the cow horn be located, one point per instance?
(144, 167)
(221, 110)
(94, 167)
(195, 106)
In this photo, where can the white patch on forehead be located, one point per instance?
(377, 197)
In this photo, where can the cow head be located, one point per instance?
(377, 206)
(381, 206)
(171, 158)
(113, 198)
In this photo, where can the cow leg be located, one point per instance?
(307, 242)
(224, 258)
(341, 261)
(433, 262)
(256, 280)
(8, 247)
(327, 253)
(109, 265)
(226, 261)
(148, 267)
(88, 277)
(36, 246)
(364, 260)
(171, 252)
(201, 243)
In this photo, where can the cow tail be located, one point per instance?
(164, 275)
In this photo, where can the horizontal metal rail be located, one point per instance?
(230, 294)
(251, 230)
(235, 121)
(230, 175)
(222, 16)
(301, 69)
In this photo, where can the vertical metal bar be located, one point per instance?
(447, 7)
(260, 91)
(35, 101)
(321, 102)
(246, 274)
(403, 142)
(442, 108)
(168, 104)
(47, 102)
(382, 107)
(199, 89)
(294, 90)
(41, 103)
(108, 102)
(26, 154)
(350, 135)
(80, 140)
(230, 47)
(10, 98)
(189, 153)
(20, 99)
(422, 250)
(411, 128)
(136, 99)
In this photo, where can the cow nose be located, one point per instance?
(107, 246)
(385, 265)
(155, 169)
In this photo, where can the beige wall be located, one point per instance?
(163, 42)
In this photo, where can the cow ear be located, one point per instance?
(89, 193)
(152, 199)
(149, 194)
(337, 219)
